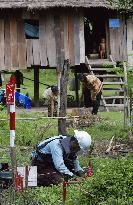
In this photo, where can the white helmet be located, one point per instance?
(84, 139)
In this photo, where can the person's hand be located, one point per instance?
(67, 177)
(80, 173)
(77, 179)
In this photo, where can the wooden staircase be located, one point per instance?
(113, 95)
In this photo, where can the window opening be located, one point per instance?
(31, 29)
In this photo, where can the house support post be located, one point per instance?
(36, 86)
(76, 89)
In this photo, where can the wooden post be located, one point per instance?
(63, 98)
(76, 88)
(36, 86)
(59, 77)
(62, 71)
(125, 96)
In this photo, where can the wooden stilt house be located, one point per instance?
(42, 34)
(66, 30)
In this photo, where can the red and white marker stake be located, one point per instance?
(12, 125)
(10, 101)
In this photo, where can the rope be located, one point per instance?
(39, 82)
(35, 118)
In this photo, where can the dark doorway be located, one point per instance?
(95, 30)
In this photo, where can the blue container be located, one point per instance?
(23, 100)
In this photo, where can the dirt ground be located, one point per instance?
(118, 148)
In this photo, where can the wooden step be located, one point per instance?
(99, 69)
(114, 89)
(100, 62)
(112, 97)
(113, 105)
(108, 76)
(113, 83)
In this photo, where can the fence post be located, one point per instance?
(130, 107)
(125, 95)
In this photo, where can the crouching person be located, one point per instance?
(51, 94)
(56, 157)
(91, 90)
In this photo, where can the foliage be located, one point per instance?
(33, 196)
(123, 5)
(111, 184)
(107, 127)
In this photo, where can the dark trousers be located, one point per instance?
(55, 109)
(47, 174)
(18, 87)
(96, 103)
(89, 103)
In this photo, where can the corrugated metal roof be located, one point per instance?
(39, 4)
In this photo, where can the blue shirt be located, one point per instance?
(55, 149)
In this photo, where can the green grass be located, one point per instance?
(49, 76)
(112, 179)
(112, 125)
(31, 132)
(110, 184)
(130, 81)
(45, 76)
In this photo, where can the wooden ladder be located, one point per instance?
(114, 92)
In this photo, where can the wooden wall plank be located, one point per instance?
(130, 41)
(59, 57)
(50, 41)
(29, 52)
(71, 39)
(7, 48)
(66, 48)
(82, 38)
(14, 47)
(2, 65)
(21, 45)
(42, 40)
(36, 53)
(62, 38)
(118, 41)
(76, 39)
(114, 43)
(123, 39)
(107, 38)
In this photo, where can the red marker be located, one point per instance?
(89, 171)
